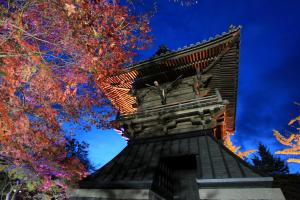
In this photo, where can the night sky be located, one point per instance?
(268, 72)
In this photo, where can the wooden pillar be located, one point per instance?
(220, 132)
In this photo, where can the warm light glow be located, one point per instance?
(293, 140)
(293, 160)
(294, 120)
(235, 149)
(229, 145)
(291, 151)
(285, 141)
(244, 154)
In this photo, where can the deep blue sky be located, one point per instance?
(269, 72)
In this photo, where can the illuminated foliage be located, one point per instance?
(292, 140)
(53, 55)
(236, 149)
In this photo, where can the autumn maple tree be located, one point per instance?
(53, 56)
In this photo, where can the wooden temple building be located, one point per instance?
(175, 109)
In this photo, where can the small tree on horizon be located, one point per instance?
(266, 162)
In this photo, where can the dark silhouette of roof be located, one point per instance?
(137, 165)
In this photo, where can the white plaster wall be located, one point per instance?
(242, 194)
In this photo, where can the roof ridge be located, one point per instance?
(232, 29)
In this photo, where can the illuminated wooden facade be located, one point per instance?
(218, 56)
(175, 109)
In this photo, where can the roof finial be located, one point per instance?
(232, 28)
(162, 50)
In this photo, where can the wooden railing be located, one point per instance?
(189, 104)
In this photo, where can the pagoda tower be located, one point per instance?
(175, 109)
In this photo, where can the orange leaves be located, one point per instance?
(285, 141)
(294, 120)
(6, 124)
(245, 154)
(290, 151)
(293, 160)
(228, 143)
(69, 92)
(76, 168)
(292, 140)
(22, 124)
(235, 149)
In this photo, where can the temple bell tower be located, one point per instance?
(175, 109)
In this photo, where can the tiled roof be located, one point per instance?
(191, 47)
(218, 56)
